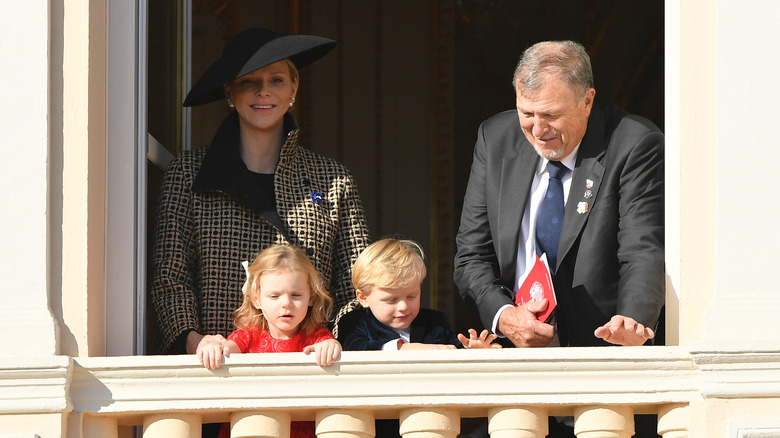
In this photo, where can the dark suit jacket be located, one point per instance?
(360, 330)
(610, 257)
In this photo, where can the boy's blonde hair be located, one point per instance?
(283, 258)
(389, 263)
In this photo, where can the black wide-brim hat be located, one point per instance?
(253, 49)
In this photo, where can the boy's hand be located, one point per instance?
(420, 346)
(484, 340)
(325, 352)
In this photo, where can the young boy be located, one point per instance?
(387, 277)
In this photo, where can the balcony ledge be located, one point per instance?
(472, 381)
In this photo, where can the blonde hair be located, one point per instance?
(389, 263)
(283, 258)
(294, 75)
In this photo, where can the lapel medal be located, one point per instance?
(589, 183)
(588, 194)
(582, 207)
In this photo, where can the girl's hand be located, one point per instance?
(210, 350)
(325, 352)
(482, 341)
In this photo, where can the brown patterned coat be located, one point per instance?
(212, 214)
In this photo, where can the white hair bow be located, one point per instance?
(245, 264)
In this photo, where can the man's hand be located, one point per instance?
(622, 330)
(520, 325)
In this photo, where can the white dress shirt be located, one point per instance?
(404, 334)
(526, 246)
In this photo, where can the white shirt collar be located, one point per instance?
(569, 161)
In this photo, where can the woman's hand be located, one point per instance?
(192, 342)
(325, 352)
(484, 340)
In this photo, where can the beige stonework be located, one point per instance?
(718, 378)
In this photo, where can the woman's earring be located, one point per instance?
(292, 101)
(230, 104)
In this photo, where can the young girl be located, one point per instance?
(285, 307)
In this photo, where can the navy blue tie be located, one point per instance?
(549, 220)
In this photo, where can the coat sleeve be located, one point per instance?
(476, 270)
(641, 230)
(351, 239)
(437, 329)
(358, 333)
(173, 296)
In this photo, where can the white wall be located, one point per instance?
(747, 155)
(23, 192)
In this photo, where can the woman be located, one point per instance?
(253, 187)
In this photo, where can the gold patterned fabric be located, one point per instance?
(211, 215)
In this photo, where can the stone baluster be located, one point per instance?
(673, 420)
(604, 422)
(335, 423)
(518, 422)
(104, 427)
(429, 423)
(260, 424)
(172, 425)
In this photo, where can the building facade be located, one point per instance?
(72, 229)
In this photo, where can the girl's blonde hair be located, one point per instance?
(389, 263)
(283, 258)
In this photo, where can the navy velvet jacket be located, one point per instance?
(360, 330)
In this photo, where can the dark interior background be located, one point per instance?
(400, 99)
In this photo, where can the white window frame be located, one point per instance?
(128, 147)
(127, 152)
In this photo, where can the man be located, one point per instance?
(607, 265)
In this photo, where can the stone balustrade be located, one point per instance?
(428, 391)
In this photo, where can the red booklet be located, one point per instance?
(536, 286)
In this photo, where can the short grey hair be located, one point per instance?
(566, 60)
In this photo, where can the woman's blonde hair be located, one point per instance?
(294, 75)
(389, 263)
(284, 258)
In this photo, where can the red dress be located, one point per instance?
(257, 340)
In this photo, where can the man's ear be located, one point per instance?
(590, 96)
(363, 298)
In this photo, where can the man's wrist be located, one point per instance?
(494, 328)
